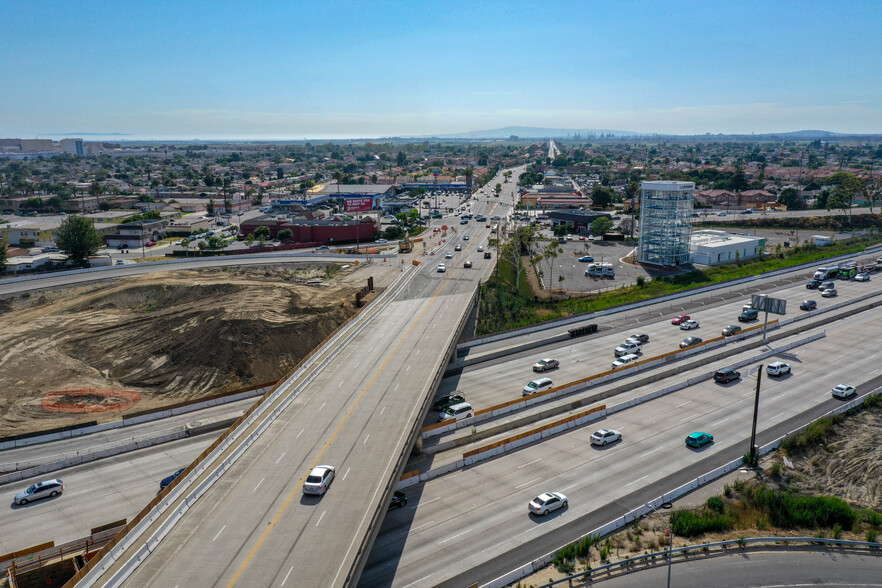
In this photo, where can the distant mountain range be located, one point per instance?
(534, 133)
(588, 134)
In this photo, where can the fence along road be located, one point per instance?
(360, 414)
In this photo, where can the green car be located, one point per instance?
(698, 439)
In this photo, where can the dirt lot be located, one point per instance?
(162, 337)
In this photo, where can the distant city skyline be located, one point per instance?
(288, 71)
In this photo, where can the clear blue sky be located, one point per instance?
(290, 69)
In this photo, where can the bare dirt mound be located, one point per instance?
(170, 336)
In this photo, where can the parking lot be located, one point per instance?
(568, 265)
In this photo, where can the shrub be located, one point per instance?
(738, 485)
(727, 491)
(775, 470)
(871, 517)
(641, 281)
(871, 535)
(786, 510)
(811, 435)
(837, 531)
(871, 401)
(716, 504)
(686, 523)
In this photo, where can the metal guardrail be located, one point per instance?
(876, 549)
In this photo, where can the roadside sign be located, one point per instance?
(766, 303)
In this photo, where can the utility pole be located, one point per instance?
(753, 455)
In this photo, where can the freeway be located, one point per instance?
(472, 525)
(552, 149)
(254, 527)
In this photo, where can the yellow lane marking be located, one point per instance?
(330, 440)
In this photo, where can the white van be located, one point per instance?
(537, 385)
(607, 270)
(624, 360)
(457, 412)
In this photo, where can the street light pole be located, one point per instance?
(670, 532)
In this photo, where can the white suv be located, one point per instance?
(777, 368)
(628, 347)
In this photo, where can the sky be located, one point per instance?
(360, 69)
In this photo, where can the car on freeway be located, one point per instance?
(319, 480)
(586, 258)
(169, 479)
(456, 412)
(624, 360)
(639, 337)
(45, 489)
(464, 221)
(813, 284)
(487, 255)
(778, 368)
(398, 500)
(605, 436)
(448, 255)
(730, 330)
(679, 319)
(441, 268)
(480, 248)
(862, 277)
(726, 375)
(828, 286)
(543, 365)
(808, 305)
(458, 248)
(448, 400)
(467, 264)
(842, 391)
(690, 341)
(494, 217)
(629, 346)
(697, 439)
(748, 315)
(381, 241)
(487, 226)
(465, 237)
(547, 502)
(689, 324)
(537, 385)
(829, 293)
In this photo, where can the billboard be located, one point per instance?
(358, 204)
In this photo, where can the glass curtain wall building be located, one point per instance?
(665, 222)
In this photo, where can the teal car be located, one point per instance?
(698, 439)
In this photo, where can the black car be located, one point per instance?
(808, 305)
(399, 499)
(748, 315)
(166, 481)
(731, 330)
(813, 285)
(446, 402)
(726, 375)
(690, 341)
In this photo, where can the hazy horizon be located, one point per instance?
(291, 71)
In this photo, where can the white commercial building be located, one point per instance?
(665, 222)
(709, 247)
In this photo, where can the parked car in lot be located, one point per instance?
(697, 439)
(398, 500)
(319, 480)
(842, 391)
(808, 305)
(543, 365)
(605, 436)
(537, 385)
(688, 325)
(778, 368)
(151, 243)
(639, 337)
(730, 330)
(448, 400)
(726, 375)
(168, 480)
(680, 319)
(748, 315)
(457, 412)
(586, 258)
(629, 346)
(689, 342)
(546, 503)
(829, 293)
(45, 489)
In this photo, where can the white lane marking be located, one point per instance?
(219, 532)
(300, 433)
(281, 456)
(426, 502)
(651, 451)
(719, 422)
(874, 372)
(356, 364)
(529, 462)
(419, 581)
(570, 486)
(323, 405)
(320, 518)
(286, 576)
(382, 411)
(396, 387)
(777, 415)
(258, 484)
(637, 480)
(408, 369)
(418, 351)
(427, 337)
(527, 483)
(433, 326)
(683, 404)
(420, 527)
(371, 349)
(454, 537)
(346, 474)
(366, 438)
(340, 384)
